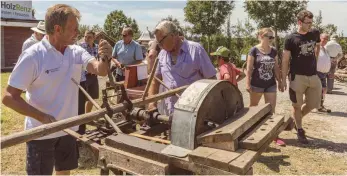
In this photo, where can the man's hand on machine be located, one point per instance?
(105, 50)
(152, 106)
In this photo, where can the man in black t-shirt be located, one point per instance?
(302, 47)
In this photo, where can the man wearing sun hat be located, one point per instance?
(227, 70)
(39, 33)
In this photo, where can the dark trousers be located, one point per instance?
(81, 107)
(331, 77)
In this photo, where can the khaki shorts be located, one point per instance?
(310, 86)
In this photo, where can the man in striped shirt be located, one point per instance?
(39, 33)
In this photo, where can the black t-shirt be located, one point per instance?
(302, 49)
(263, 75)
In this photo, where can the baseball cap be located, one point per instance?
(221, 51)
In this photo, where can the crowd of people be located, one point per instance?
(50, 58)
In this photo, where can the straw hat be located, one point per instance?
(40, 28)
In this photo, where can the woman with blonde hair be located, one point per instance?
(263, 71)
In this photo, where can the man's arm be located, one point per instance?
(206, 67)
(278, 74)
(285, 67)
(317, 49)
(12, 99)
(22, 76)
(99, 67)
(240, 76)
(249, 71)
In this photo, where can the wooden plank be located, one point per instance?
(137, 146)
(244, 162)
(130, 162)
(229, 146)
(260, 134)
(200, 154)
(250, 171)
(213, 157)
(235, 127)
(198, 169)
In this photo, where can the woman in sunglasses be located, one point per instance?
(263, 71)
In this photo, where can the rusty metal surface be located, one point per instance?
(204, 105)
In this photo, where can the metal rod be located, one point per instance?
(46, 129)
(162, 83)
(107, 118)
(150, 78)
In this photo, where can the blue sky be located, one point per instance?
(148, 13)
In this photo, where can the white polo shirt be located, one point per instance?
(45, 74)
(333, 48)
(323, 64)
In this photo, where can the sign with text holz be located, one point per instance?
(16, 9)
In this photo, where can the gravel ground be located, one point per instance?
(327, 151)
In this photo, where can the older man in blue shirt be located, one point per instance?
(181, 62)
(126, 52)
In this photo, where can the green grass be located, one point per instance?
(13, 158)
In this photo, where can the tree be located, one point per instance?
(97, 28)
(116, 21)
(329, 28)
(243, 39)
(174, 20)
(317, 22)
(82, 29)
(207, 16)
(279, 15)
(228, 31)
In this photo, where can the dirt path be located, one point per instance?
(327, 151)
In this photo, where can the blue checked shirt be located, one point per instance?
(92, 51)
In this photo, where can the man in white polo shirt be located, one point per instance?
(45, 71)
(323, 67)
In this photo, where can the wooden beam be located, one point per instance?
(151, 76)
(242, 164)
(131, 163)
(236, 126)
(46, 129)
(260, 134)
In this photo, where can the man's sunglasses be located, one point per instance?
(270, 37)
(124, 35)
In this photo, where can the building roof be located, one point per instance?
(146, 36)
(19, 22)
